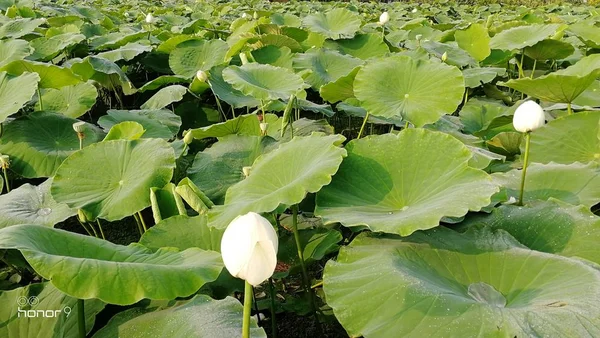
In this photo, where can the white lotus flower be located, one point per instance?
(384, 18)
(249, 248)
(414, 10)
(264, 127)
(529, 116)
(149, 18)
(201, 76)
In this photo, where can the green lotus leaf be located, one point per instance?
(574, 183)
(115, 40)
(475, 40)
(418, 91)
(589, 97)
(316, 244)
(362, 46)
(224, 91)
(121, 186)
(37, 144)
(191, 56)
(300, 166)
(63, 321)
(586, 32)
(506, 143)
(217, 168)
(568, 139)
(338, 23)
(127, 130)
(550, 49)
(163, 81)
(166, 202)
(340, 89)
(482, 157)
(72, 101)
(30, 204)
(247, 124)
(474, 77)
(183, 232)
(165, 97)
(16, 28)
(455, 56)
(15, 92)
(549, 226)
(158, 123)
(523, 36)
(444, 284)
(11, 50)
(325, 65)
(46, 49)
(126, 53)
(403, 183)
(277, 40)
(51, 76)
(193, 196)
(200, 317)
(275, 56)
(87, 267)
(302, 127)
(263, 82)
(477, 115)
(105, 72)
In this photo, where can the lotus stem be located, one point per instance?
(100, 226)
(533, 69)
(247, 310)
(521, 72)
(300, 250)
(6, 180)
(569, 109)
(525, 160)
(81, 318)
(94, 230)
(139, 225)
(142, 221)
(40, 99)
(84, 227)
(220, 108)
(272, 309)
(363, 125)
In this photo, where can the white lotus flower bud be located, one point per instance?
(188, 137)
(79, 127)
(149, 18)
(126, 14)
(201, 76)
(414, 10)
(244, 16)
(246, 171)
(444, 56)
(264, 127)
(249, 248)
(384, 18)
(529, 116)
(255, 15)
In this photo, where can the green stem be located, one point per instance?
(533, 69)
(406, 125)
(6, 180)
(525, 160)
(142, 221)
(569, 109)
(273, 314)
(100, 226)
(40, 99)
(220, 107)
(84, 227)
(139, 225)
(94, 230)
(81, 318)
(300, 250)
(363, 125)
(247, 310)
(521, 72)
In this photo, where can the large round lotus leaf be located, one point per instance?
(87, 267)
(335, 24)
(523, 36)
(477, 115)
(445, 284)
(194, 55)
(116, 39)
(127, 130)
(300, 166)
(200, 317)
(475, 40)
(340, 89)
(455, 56)
(161, 81)
(418, 91)
(587, 32)
(403, 183)
(548, 226)
(15, 92)
(62, 324)
(11, 50)
(573, 138)
(72, 101)
(16, 28)
(325, 65)
(30, 204)
(263, 82)
(121, 185)
(362, 46)
(183, 232)
(217, 168)
(589, 97)
(51, 76)
(37, 144)
(276, 40)
(247, 124)
(549, 49)
(165, 97)
(47, 48)
(574, 183)
(158, 123)
(474, 77)
(105, 72)
(227, 93)
(126, 53)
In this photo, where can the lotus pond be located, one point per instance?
(402, 170)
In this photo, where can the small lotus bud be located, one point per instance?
(264, 127)
(384, 18)
(246, 171)
(79, 127)
(414, 10)
(149, 18)
(529, 116)
(244, 58)
(201, 76)
(418, 37)
(4, 161)
(244, 16)
(188, 137)
(81, 216)
(126, 14)
(444, 56)
(255, 15)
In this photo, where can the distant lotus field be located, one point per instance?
(299, 169)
